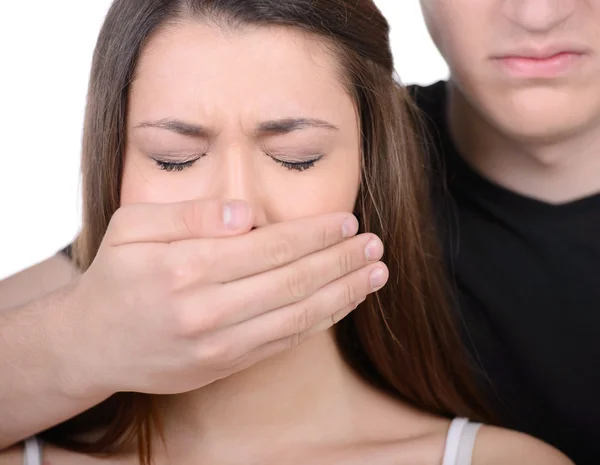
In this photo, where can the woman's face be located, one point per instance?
(258, 114)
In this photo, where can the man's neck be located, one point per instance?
(555, 172)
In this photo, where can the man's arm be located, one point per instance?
(30, 379)
(34, 392)
(37, 281)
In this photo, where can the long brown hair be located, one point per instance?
(402, 340)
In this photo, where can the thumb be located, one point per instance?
(193, 219)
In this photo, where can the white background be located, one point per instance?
(45, 55)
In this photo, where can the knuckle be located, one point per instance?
(190, 218)
(181, 268)
(345, 263)
(176, 271)
(302, 320)
(329, 236)
(349, 295)
(209, 320)
(303, 338)
(279, 252)
(118, 215)
(336, 318)
(294, 341)
(339, 316)
(117, 220)
(192, 320)
(324, 238)
(299, 284)
(301, 327)
(219, 354)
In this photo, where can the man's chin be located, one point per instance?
(539, 121)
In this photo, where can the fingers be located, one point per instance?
(318, 313)
(263, 249)
(250, 297)
(178, 221)
(274, 347)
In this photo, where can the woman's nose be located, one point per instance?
(238, 178)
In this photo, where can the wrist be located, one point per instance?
(74, 373)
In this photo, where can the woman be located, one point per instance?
(290, 105)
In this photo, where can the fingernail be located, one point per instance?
(374, 250)
(235, 214)
(350, 227)
(378, 278)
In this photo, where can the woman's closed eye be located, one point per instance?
(166, 164)
(287, 162)
(295, 164)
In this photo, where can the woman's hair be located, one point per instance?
(403, 339)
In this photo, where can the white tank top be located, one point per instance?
(460, 441)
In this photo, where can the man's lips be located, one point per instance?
(539, 65)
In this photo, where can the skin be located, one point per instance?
(237, 161)
(230, 82)
(539, 137)
(36, 282)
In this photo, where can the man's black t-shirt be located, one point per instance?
(527, 281)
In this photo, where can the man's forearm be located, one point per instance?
(36, 281)
(34, 392)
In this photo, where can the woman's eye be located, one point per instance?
(175, 166)
(291, 165)
(298, 165)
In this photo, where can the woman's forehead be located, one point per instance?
(266, 73)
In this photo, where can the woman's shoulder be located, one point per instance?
(492, 446)
(12, 456)
(486, 445)
(456, 441)
(499, 446)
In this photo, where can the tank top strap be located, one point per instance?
(460, 442)
(32, 453)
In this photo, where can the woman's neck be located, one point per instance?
(306, 398)
(296, 395)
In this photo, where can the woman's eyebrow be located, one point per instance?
(177, 126)
(287, 125)
(272, 127)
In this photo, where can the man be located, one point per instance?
(517, 128)
(517, 183)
